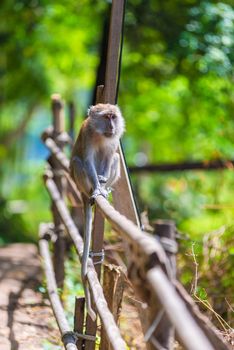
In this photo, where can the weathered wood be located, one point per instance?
(56, 151)
(144, 249)
(107, 319)
(113, 51)
(68, 338)
(58, 114)
(59, 249)
(165, 332)
(100, 94)
(165, 230)
(59, 245)
(113, 286)
(211, 332)
(190, 334)
(79, 319)
(122, 194)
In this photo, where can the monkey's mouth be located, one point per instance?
(109, 133)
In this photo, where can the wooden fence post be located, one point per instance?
(76, 208)
(165, 230)
(79, 319)
(59, 245)
(113, 287)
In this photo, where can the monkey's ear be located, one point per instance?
(90, 111)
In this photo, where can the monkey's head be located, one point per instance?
(106, 119)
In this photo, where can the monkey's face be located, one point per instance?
(107, 120)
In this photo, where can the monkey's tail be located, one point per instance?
(85, 256)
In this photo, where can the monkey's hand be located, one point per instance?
(102, 179)
(98, 192)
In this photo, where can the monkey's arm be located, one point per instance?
(105, 170)
(91, 174)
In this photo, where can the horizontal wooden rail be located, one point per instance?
(147, 250)
(56, 151)
(216, 164)
(190, 334)
(108, 322)
(69, 340)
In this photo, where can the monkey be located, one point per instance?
(95, 167)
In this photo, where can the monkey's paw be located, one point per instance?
(102, 179)
(98, 192)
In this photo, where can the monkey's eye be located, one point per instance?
(113, 116)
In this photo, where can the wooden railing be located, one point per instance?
(150, 269)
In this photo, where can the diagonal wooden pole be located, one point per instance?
(122, 195)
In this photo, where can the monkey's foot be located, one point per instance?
(102, 179)
(98, 192)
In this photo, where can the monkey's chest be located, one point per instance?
(102, 159)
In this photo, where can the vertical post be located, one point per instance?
(59, 245)
(79, 319)
(165, 230)
(113, 287)
(76, 209)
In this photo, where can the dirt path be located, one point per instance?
(26, 320)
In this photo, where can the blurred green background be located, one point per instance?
(176, 93)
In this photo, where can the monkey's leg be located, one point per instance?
(80, 176)
(114, 171)
(85, 256)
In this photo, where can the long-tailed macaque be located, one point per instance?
(95, 167)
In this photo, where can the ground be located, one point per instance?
(26, 320)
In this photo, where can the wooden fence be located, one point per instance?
(150, 268)
(150, 261)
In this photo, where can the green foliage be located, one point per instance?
(208, 40)
(208, 263)
(12, 226)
